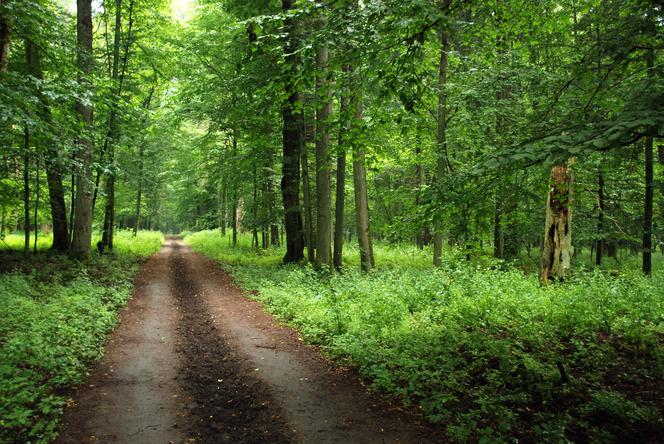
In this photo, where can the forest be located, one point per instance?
(457, 205)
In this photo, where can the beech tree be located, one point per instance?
(82, 224)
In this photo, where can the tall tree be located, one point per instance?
(323, 160)
(367, 261)
(5, 36)
(82, 235)
(649, 183)
(26, 190)
(53, 159)
(441, 152)
(292, 144)
(114, 129)
(344, 129)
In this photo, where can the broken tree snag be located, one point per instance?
(557, 251)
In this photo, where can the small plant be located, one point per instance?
(55, 315)
(490, 354)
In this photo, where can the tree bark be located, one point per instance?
(441, 164)
(139, 192)
(361, 197)
(497, 229)
(51, 161)
(36, 214)
(323, 164)
(421, 236)
(557, 251)
(26, 190)
(5, 40)
(599, 254)
(308, 236)
(114, 129)
(292, 147)
(272, 210)
(254, 230)
(72, 199)
(341, 174)
(649, 187)
(511, 230)
(223, 210)
(82, 238)
(3, 218)
(235, 202)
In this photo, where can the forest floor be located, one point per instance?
(194, 361)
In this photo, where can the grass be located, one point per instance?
(55, 314)
(144, 244)
(487, 353)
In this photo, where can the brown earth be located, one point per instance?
(194, 361)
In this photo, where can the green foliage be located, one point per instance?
(145, 244)
(55, 314)
(490, 354)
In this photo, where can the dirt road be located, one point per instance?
(193, 361)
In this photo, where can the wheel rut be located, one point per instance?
(194, 361)
(226, 402)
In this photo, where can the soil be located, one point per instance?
(194, 361)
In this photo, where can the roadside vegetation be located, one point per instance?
(55, 314)
(488, 352)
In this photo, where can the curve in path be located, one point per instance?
(195, 361)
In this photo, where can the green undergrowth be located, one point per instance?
(55, 314)
(487, 353)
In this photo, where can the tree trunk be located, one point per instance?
(266, 204)
(234, 218)
(72, 199)
(419, 177)
(139, 192)
(511, 230)
(255, 209)
(82, 238)
(5, 39)
(3, 219)
(557, 251)
(649, 187)
(34, 249)
(292, 147)
(235, 198)
(344, 129)
(361, 197)
(497, 229)
(141, 161)
(309, 237)
(441, 164)
(224, 209)
(323, 164)
(599, 254)
(114, 129)
(26, 191)
(51, 162)
(274, 235)
(272, 210)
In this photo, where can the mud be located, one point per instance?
(194, 361)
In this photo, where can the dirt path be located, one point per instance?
(195, 361)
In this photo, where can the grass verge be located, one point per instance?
(55, 315)
(489, 354)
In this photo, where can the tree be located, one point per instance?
(82, 226)
(557, 251)
(53, 158)
(323, 161)
(292, 143)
